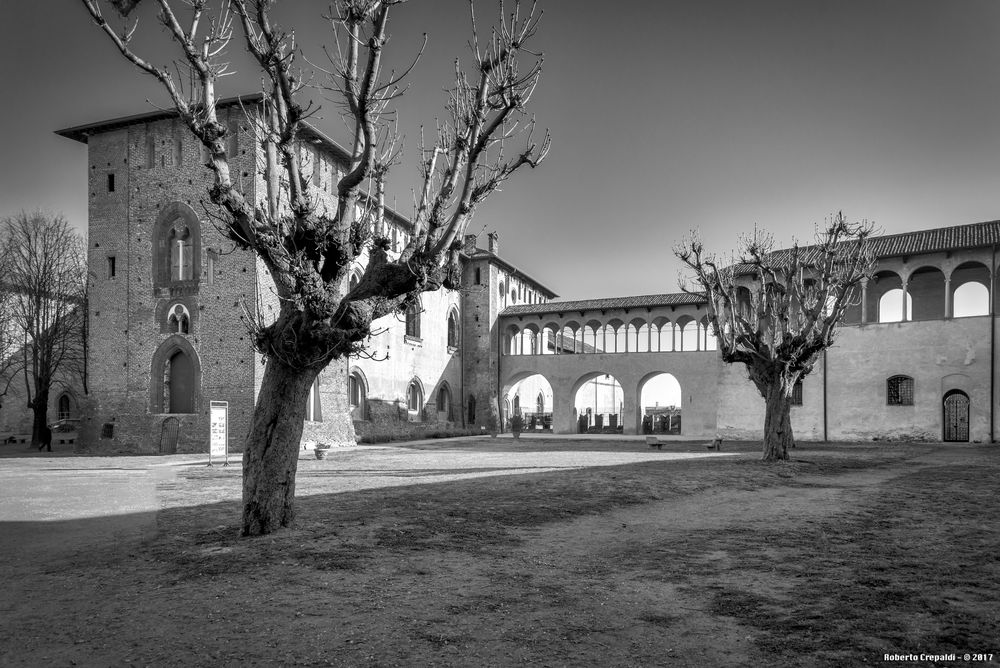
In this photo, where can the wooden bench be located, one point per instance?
(716, 444)
(654, 442)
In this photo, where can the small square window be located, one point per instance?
(111, 183)
(111, 266)
(899, 391)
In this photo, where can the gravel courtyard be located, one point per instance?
(482, 552)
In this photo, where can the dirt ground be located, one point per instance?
(493, 553)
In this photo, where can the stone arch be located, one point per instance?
(568, 337)
(512, 340)
(591, 343)
(665, 418)
(357, 393)
(686, 335)
(529, 339)
(523, 390)
(638, 336)
(178, 319)
(550, 337)
(415, 399)
(443, 402)
(663, 336)
(454, 332)
(65, 405)
(708, 340)
(925, 287)
(176, 246)
(614, 336)
(882, 282)
(970, 291)
(175, 377)
(607, 400)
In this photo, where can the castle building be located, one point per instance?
(170, 296)
(915, 359)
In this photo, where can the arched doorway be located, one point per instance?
(660, 405)
(179, 383)
(599, 404)
(531, 397)
(956, 416)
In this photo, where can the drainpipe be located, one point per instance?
(825, 437)
(993, 341)
(496, 325)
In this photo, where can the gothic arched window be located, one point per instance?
(453, 329)
(179, 320)
(177, 246)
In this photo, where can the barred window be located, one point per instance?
(413, 321)
(899, 391)
(797, 394)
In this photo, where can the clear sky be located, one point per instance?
(665, 116)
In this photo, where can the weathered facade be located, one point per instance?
(170, 294)
(915, 358)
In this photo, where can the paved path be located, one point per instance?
(57, 506)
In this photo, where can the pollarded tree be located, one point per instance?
(777, 310)
(42, 291)
(308, 250)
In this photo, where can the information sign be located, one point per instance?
(218, 445)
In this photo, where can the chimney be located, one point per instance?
(494, 243)
(470, 244)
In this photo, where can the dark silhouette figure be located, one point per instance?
(45, 438)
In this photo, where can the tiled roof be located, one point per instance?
(958, 237)
(608, 304)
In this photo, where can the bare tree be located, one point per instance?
(777, 310)
(42, 291)
(309, 251)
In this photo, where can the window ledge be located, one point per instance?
(452, 350)
(415, 340)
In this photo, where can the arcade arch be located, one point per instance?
(599, 401)
(660, 404)
(531, 397)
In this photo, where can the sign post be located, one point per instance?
(218, 445)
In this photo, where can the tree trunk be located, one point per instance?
(40, 422)
(271, 453)
(777, 424)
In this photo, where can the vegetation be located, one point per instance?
(307, 249)
(776, 311)
(43, 282)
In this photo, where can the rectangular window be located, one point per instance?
(899, 391)
(108, 430)
(111, 183)
(797, 394)
(317, 173)
(478, 276)
(111, 266)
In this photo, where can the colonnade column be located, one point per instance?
(906, 315)
(947, 297)
(563, 421)
(864, 300)
(630, 408)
